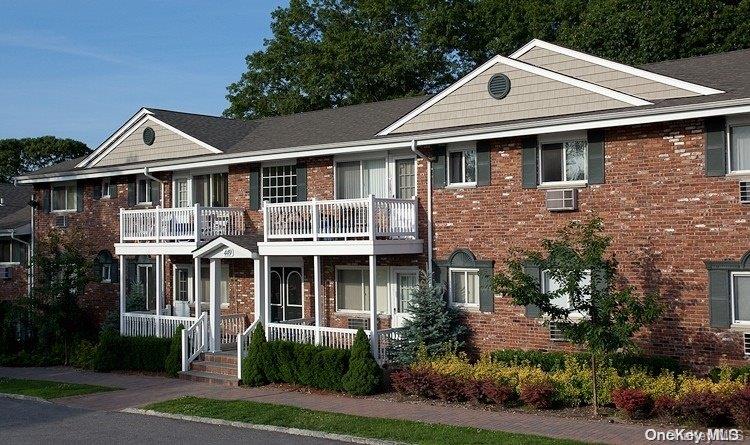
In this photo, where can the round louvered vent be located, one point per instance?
(149, 136)
(499, 86)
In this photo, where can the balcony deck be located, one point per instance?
(367, 226)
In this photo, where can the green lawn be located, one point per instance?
(47, 389)
(386, 429)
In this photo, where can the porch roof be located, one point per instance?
(228, 247)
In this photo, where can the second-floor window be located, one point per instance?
(12, 252)
(358, 179)
(563, 161)
(211, 190)
(279, 183)
(143, 191)
(739, 148)
(462, 166)
(64, 198)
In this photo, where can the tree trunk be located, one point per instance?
(593, 381)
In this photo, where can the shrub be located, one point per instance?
(115, 352)
(499, 393)
(740, 407)
(550, 361)
(449, 388)
(703, 408)
(253, 365)
(364, 374)
(107, 356)
(635, 403)
(173, 362)
(83, 355)
(412, 382)
(540, 394)
(665, 405)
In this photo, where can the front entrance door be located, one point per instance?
(405, 282)
(286, 293)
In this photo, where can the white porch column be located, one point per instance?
(123, 274)
(215, 314)
(159, 292)
(258, 289)
(318, 306)
(198, 287)
(266, 293)
(373, 307)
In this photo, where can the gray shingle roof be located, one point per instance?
(17, 219)
(14, 198)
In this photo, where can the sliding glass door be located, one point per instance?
(359, 179)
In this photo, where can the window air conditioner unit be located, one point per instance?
(747, 344)
(6, 273)
(745, 192)
(61, 221)
(358, 323)
(555, 333)
(562, 200)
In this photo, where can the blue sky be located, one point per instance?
(80, 69)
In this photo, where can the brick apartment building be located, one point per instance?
(15, 238)
(319, 223)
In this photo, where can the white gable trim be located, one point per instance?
(695, 88)
(608, 92)
(218, 249)
(148, 117)
(116, 135)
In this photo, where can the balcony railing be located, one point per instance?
(191, 224)
(367, 218)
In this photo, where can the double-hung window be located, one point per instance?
(64, 198)
(563, 161)
(358, 179)
(6, 251)
(143, 191)
(106, 273)
(279, 183)
(551, 284)
(105, 188)
(462, 166)
(182, 192)
(741, 297)
(353, 289)
(463, 287)
(739, 148)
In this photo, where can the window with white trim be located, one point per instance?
(551, 284)
(143, 191)
(563, 161)
(741, 297)
(182, 192)
(182, 284)
(64, 198)
(279, 183)
(463, 287)
(211, 190)
(359, 179)
(106, 273)
(739, 147)
(353, 289)
(105, 188)
(462, 166)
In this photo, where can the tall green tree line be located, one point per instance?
(328, 53)
(19, 156)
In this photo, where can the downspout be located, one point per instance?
(28, 249)
(429, 204)
(161, 183)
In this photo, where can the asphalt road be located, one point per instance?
(30, 422)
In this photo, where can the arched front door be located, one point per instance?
(286, 293)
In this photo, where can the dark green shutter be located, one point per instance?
(96, 268)
(596, 156)
(718, 291)
(484, 171)
(115, 270)
(46, 200)
(155, 192)
(438, 166)
(112, 190)
(529, 171)
(716, 148)
(79, 196)
(96, 191)
(254, 187)
(486, 295)
(301, 182)
(442, 278)
(131, 192)
(532, 311)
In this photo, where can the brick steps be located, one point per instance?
(206, 377)
(216, 368)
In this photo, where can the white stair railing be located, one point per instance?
(194, 341)
(231, 325)
(243, 343)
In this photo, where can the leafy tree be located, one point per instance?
(433, 327)
(19, 156)
(364, 374)
(612, 314)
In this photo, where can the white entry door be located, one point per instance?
(183, 290)
(404, 281)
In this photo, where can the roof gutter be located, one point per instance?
(428, 175)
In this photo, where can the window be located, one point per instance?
(182, 284)
(464, 287)
(279, 183)
(143, 191)
(105, 188)
(106, 273)
(551, 284)
(358, 179)
(741, 297)
(6, 251)
(462, 166)
(182, 192)
(739, 148)
(353, 289)
(64, 198)
(211, 190)
(406, 284)
(564, 161)
(406, 183)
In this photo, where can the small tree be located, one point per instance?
(253, 373)
(432, 326)
(364, 374)
(610, 314)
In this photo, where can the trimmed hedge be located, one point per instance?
(307, 365)
(364, 375)
(173, 362)
(115, 352)
(550, 361)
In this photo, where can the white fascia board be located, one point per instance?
(115, 136)
(221, 243)
(608, 92)
(671, 81)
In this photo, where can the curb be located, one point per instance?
(253, 426)
(4, 395)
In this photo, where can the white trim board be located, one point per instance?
(221, 242)
(517, 64)
(116, 135)
(671, 81)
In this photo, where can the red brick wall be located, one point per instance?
(16, 286)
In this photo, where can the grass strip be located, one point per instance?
(47, 389)
(374, 428)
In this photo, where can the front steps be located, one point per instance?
(214, 367)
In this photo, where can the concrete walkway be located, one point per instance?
(140, 390)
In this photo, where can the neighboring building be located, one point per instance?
(15, 238)
(321, 222)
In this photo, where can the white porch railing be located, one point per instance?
(339, 219)
(291, 332)
(180, 223)
(231, 326)
(151, 325)
(194, 341)
(243, 343)
(341, 338)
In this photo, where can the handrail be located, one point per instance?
(194, 341)
(180, 223)
(242, 338)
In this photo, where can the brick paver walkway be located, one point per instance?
(140, 390)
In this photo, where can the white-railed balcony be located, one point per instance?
(180, 228)
(341, 227)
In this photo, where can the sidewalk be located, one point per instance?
(141, 390)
